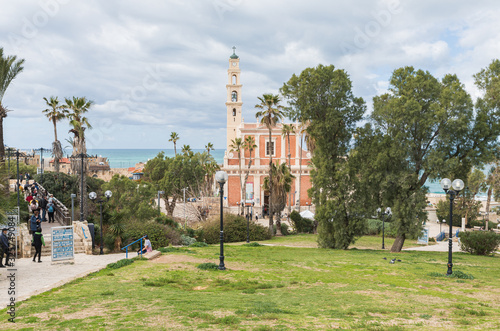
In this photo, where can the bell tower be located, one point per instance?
(233, 103)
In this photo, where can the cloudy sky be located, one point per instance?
(153, 67)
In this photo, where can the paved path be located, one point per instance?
(34, 278)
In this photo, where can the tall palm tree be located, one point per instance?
(77, 107)
(174, 136)
(250, 146)
(281, 185)
(237, 146)
(55, 113)
(270, 115)
(209, 147)
(286, 131)
(186, 149)
(10, 67)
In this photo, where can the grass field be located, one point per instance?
(276, 288)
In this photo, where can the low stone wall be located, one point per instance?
(82, 230)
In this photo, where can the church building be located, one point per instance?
(237, 128)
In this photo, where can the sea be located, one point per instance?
(125, 158)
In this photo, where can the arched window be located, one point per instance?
(234, 111)
(234, 96)
(234, 79)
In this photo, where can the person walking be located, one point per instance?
(43, 207)
(34, 206)
(38, 241)
(4, 246)
(50, 210)
(35, 222)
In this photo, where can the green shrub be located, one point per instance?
(235, 229)
(119, 264)
(160, 235)
(284, 229)
(301, 225)
(479, 242)
(165, 220)
(208, 266)
(186, 240)
(253, 244)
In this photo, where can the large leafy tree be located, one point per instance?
(280, 179)
(430, 131)
(10, 67)
(237, 146)
(172, 175)
(322, 97)
(76, 108)
(174, 137)
(270, 114)
(286, 131)
(55, 113)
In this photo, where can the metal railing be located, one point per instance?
(126, 247)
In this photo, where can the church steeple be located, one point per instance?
(233, 101)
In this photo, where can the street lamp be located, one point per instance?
(184, 192)
(17, 158)
(440, 222)
(248, 221)
(159, 192)
(221, 178)
(457, 186)
(387, 212)
(73, 196)
(93, 196)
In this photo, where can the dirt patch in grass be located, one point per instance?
(178, 258)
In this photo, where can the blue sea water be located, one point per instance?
(124, 158)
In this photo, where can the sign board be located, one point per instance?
(62, 243)
(424, 237)
(249, 193)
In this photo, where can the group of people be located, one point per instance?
(40, 206)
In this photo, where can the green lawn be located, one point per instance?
(276, 288)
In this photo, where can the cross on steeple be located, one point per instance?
(234, 50)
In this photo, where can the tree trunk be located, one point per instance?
(170, 206)
(300, 171)
(278, 224)
(398, 243)
(271, 231)
(2, 147)
(490, 191)
(289, 168)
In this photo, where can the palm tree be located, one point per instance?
(270, 115)
(76, 108)
(250, 146)
(237, 146)
(493, 182)
(55, 113)
(281, 185)
(286, 131)
(186, 149)
(174, 136)
(10, 67)
(209, 147)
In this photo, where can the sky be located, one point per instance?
(153, 67)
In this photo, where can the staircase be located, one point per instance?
(47, 249)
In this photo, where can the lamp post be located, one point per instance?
(221, 178)
(248, 223)
(457, 186)
(73, 196)
(93, 196)
(159, 192)
(388, 213)
(184, 193)
(17, 160)
(440, 222)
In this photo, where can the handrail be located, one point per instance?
(126, 247)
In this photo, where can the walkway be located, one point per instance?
(33, 278)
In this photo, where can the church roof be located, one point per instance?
(234, 56)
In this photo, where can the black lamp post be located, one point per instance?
(387, 212)
(457, 186)
(17, 160)
(221, 178)
(93, 196)
(248, 222)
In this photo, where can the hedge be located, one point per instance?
(479, 242)
(235, 230)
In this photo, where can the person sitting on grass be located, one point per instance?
(147, 246)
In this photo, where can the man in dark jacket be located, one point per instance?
(4, 246)
(43, 206)
(35, 222)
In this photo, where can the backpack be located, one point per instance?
(50, 208)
